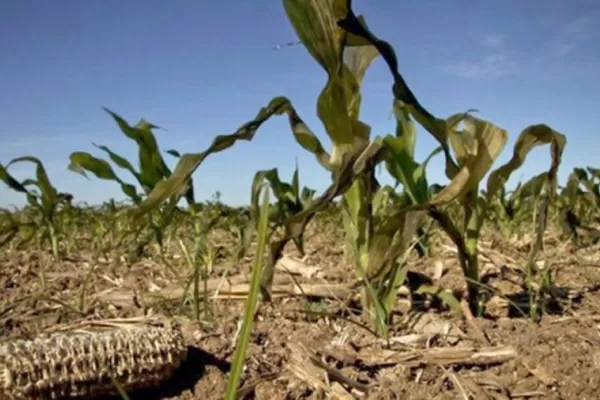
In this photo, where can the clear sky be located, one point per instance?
(202, 68)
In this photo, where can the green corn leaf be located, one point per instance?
(189, 195)
(82, 161)
(120, 162)
(406, 131)
(419, 176)
(572, 192)
(529, 138)
(353, 166)
(289, 202)
(296, 181)
(381, 199)
(531, 188)
(386, 246)
(401, 166)
(10, 181)
(401, 163)
(251, 304)
(48, 193)
(402, 93)
(307, 195)
(489, 140)
(29, 182)
(152, 167)
(283, 191)
(315, 24)
(188, 163)
(405, 170)
(345, 61)
(463, 142)
(14, 184)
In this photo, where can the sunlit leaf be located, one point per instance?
(529, 138)
(188, 163)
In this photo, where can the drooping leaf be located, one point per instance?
(188, 163)
(121, 162)
(82, 161)
(402, 93)
(10, 181)
(345, 59)
(529, 138)
(352, 167)
(152, 167)
(315, 24)
(490, 140)
(49, 195)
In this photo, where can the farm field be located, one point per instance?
(430, 353)
(470, 288)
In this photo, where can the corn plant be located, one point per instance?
(43, 199)
(342, 46)
(152, 169)
(509, 209)
(486, 142)
(405, 170)
(577, 205)
(239, 359)
(290, 201)
(532, 200)
(475, 147)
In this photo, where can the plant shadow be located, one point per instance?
(184, 378)
(553, 302)
(520, 304)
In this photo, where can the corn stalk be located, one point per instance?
(152, 169)
(44, 201)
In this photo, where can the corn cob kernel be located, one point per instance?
(85, 364)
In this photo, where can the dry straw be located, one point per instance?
(85, 364)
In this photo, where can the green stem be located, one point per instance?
(53, 240)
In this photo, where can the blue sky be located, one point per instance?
(202, 68)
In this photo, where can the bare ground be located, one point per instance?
(312, 348)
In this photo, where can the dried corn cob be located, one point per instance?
(85, 364)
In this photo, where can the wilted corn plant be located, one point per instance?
(476, 147)
(345, 54)
(44, 201)
(152, 169)
(89, 364)
(341, 43)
